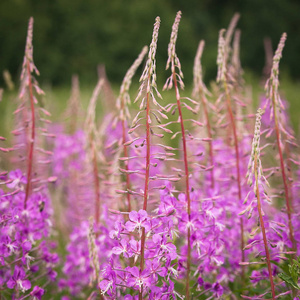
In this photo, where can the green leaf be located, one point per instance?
(288, 279)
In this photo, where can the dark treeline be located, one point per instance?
(74, 36)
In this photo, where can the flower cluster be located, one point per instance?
(25, 253)
(159, 206)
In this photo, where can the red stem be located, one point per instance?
(187, 187)
(284, 178)
(32, 139)
(262, 225)
(143, 238)
(237, 157)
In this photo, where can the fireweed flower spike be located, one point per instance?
(148, 84)
(25, 206)
(28, 85)
(143, 241)
(273, 96)
(222, 79)
(255, 169)
(175, 80)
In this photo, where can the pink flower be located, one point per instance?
(137, 220)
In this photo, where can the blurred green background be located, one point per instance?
(74, 36)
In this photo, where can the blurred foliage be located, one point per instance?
(75, 36)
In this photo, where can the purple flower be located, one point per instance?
(139, 278)
(217, 289)
(37, 293)
(137, 221)
(163, 246)
(155, 267)
(17, 178)
(116, 233)
(185, 222)
(123, 248)
(19, 279)
(108, 284)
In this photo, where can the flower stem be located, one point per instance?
(263, 228)
(284, 177)
(187, 186)
(32, 138)
(237, 158)
(143, 238)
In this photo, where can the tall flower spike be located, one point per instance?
(146, 94)
(255, 168)
(29, 86)
(222, 79)
(175, 79)
(271, 87)
(148, 83)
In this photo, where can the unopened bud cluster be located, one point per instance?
(255, 152)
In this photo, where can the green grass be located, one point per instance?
(56, 100)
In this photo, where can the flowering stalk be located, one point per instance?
(272, 91)
(32, 140)
(27, 138)
(148, 80)
(255, 160)
(201, 90)
(28, 68)
(122, 104)
(221, 77)
(175, 63)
